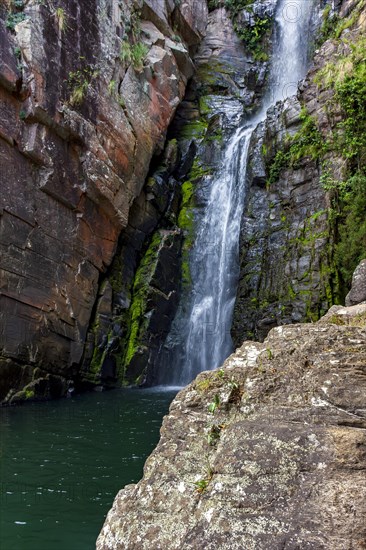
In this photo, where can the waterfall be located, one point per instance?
(200, 337)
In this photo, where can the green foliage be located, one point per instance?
(79, 82)
(328, 27)
(280, 162)
(139, 296)
(213, 435)
(138, 54)
(29, 394)
(351, 95)
(347, 77)
(186, 223)
(13, 19)
(213, 4)
(61, 19)
(112, 87)
(212, 407)
(236, 5)
(351, 248)
(201, 485)
(133, 53)
(194, 129)
(15, 14)
(307, 142)
(253, 36)
(333, 26)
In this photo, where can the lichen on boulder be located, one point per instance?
(266, 452)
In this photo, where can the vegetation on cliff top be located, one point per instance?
(346, 76)
(252, 32)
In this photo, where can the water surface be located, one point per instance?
(62, 463)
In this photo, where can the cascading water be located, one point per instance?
(205, 340)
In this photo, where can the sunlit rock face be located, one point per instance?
(266, 452)
(87, 92)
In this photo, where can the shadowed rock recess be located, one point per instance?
(268, 452)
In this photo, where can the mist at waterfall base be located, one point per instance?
(200, 336)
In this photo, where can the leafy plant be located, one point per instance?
(201, 485)
(134, 54)
(307, 142)
(138, 53)
(212, 407)
(214, 434)
(13, 19)
(112, 87)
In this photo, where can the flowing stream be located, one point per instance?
(203, 328)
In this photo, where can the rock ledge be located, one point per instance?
(267, 452)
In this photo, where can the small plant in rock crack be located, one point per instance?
(212, 407)
(79, 82)
(112, 88)
(233, 385)
(236, 393)
(214, 433)
(202, 484)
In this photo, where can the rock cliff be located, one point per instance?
(266, 452)
(98, 209)
(300, 228)
(88, 90)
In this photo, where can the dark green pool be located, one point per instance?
(61, 464)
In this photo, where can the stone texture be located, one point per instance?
(357, 294)
(279, 462)
(224, 64)
(79, 125)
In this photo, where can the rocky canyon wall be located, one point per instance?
(88, 90)
(101, 184)
(301, 236)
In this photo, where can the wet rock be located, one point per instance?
(224, 64)
(80, 123)
(284, 235)
(267, 452)
(287, 273)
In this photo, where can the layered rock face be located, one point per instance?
(87, 90)
(266, 452)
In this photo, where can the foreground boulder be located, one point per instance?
(267, 452)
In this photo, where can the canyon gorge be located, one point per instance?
(180, 180)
